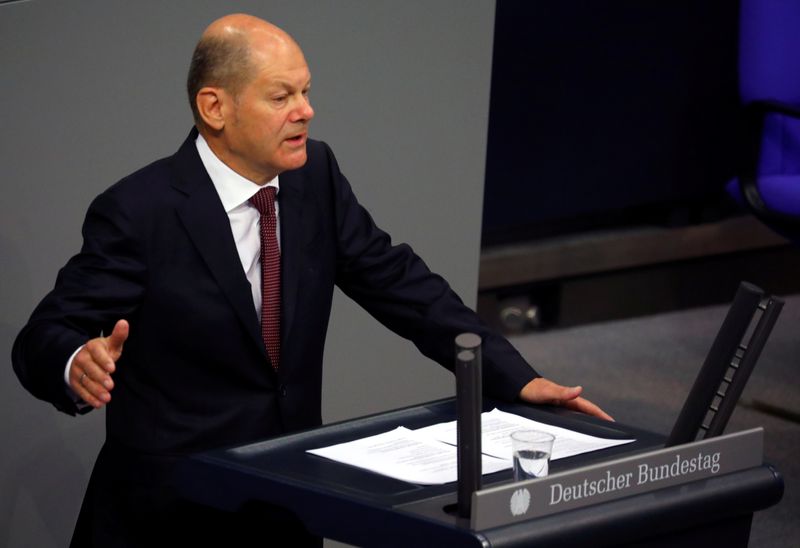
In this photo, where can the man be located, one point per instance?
(197, 308)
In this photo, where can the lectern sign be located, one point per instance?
(617, 479)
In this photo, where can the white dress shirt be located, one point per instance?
(235, 192)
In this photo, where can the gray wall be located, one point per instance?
(93, 89)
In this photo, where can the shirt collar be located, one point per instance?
(233, 189)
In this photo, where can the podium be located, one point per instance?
(359, 507)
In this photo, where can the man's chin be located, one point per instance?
(299, 154)
(296, 160)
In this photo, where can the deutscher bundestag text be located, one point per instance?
(640, 474)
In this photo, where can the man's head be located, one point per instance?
(248, 87)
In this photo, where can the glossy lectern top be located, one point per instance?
(363, 508)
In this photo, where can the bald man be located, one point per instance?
(197, 325)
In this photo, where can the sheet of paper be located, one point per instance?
(405, 455)
(496, 428)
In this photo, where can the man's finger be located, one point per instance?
(91, 399)
(95, 362)
(544, 391)
(89, 390)
(585, 406)
(117, 339)
(98, 362)
(563, 394)
(88, 374)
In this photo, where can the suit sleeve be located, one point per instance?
(396, 287)
(98, 286)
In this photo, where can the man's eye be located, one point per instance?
(279, 98)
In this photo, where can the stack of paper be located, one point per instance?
(428, 455)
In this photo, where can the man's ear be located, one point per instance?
(210, 101)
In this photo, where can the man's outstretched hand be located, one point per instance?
(543, 391)
(91, 369)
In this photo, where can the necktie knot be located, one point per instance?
(264, 200)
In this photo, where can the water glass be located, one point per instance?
(531, 452)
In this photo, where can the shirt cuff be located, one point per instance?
(70, 392)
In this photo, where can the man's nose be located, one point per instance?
(303, 111)
(307, 109)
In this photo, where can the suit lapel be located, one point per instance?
(293, 234)
(209, 228)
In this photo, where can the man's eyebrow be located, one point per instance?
(285, 84)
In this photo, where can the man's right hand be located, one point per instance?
(91, 369)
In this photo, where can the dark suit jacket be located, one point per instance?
(194, 372)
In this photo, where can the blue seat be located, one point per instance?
(769, 84)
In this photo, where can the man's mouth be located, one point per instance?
(297, 140)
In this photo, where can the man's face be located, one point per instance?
(266, 125)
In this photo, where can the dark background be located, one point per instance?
(609, 112)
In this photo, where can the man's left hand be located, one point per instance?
(543, 391)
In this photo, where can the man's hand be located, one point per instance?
(543, 391)
(90, 373)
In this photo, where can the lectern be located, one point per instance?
(359, 507)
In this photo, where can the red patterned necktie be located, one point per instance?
(264, 201)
